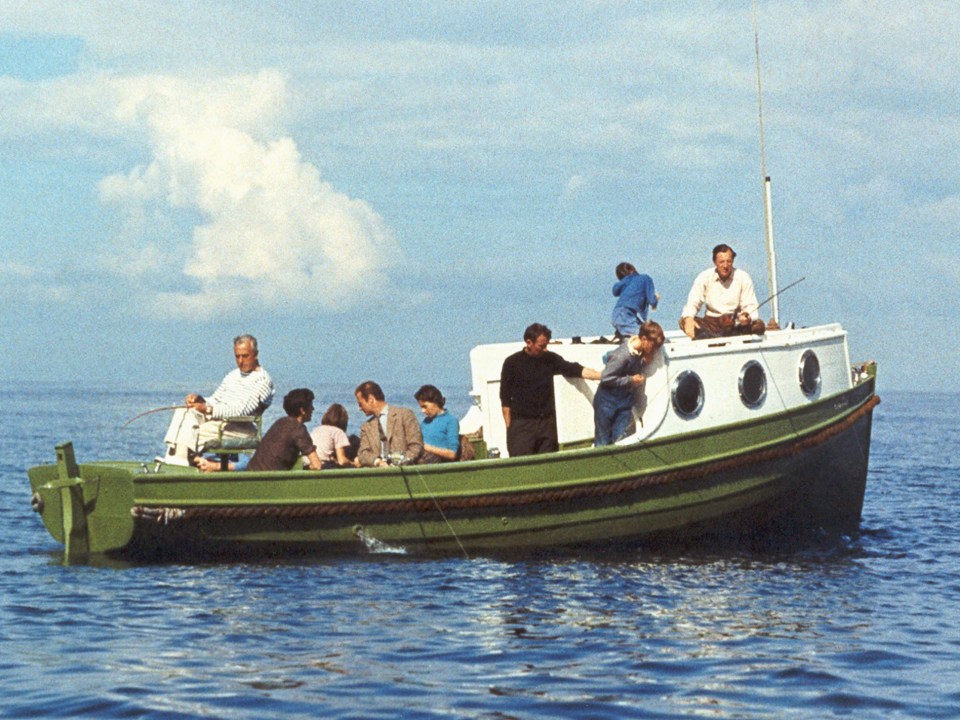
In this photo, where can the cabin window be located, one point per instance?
(687, 394)
(753, 384)
(809, 373)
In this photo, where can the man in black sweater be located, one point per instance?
(526, 393)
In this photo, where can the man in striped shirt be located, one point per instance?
(248, 390)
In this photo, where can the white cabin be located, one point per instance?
(693, 385)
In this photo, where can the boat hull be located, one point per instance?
(802, 469)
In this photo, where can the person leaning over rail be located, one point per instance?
(729, 297)
(635, 295)
(391, 435)
(621, 376)
(526, 393)
(245, 391)
(441, 430)
(285, 441)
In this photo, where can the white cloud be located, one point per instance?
(274, 232)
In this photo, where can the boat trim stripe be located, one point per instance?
(166, 515)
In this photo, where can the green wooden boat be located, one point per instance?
(746, 436)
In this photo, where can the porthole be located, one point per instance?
(809, 373)
(753, 384)
(687, 394)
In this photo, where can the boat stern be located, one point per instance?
(84, 507)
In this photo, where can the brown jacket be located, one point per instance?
(403, 436)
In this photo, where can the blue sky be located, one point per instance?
(372, 188)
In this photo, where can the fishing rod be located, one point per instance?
(782, 290)
(733, 319)
(150, 412)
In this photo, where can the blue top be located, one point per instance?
(635, 294)
(442, 431)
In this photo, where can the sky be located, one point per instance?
(373, 188)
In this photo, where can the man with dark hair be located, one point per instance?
(285, 441)
(526, 393)
(623, 373)
(391, 435)
(729, 297)
(245, 391)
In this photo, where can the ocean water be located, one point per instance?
(861, 627)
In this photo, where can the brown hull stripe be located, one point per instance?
(165, 515)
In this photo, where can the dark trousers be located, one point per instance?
(716, 327)
(532, 436)
(612, 416)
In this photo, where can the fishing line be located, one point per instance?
(440, 510)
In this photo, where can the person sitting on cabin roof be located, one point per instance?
(621, 376)
(391, 435)
(245, 391)
(729, 297)
(526, 393)
(441, 430)
(285, 441)
(635, 295)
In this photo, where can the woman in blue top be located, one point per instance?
(635, 293)
(441, 431)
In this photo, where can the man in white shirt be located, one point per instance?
(729, 297)
(246, 391)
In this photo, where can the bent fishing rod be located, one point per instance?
(150, 412)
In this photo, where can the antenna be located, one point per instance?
(767, 201)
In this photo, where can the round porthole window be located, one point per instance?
(753, 384)
(687, 394)
(809, 373)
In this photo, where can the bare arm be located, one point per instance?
(506, 416)
(313, 461)
(444, 453)
(590, 374)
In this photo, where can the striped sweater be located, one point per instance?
(242, 394)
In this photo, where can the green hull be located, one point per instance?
(804, 468)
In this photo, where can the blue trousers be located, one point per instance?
(612, 416)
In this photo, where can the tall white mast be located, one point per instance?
(767, 201)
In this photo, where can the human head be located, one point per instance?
(246, 353)
(430, 399)
(297, 402)
(370, 397)
(653, 332)
(648, 339)
(337, 416)
(723, 256)
(624, 269)
(429, 393)
(535, 339)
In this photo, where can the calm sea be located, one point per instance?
(862, 628)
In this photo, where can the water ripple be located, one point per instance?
(859, 627)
